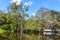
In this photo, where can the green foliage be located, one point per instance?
(31, 24)
(30, 37)
(10, 21)
(2, 31)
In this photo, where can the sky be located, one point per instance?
(34, 5)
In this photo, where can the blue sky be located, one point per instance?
(36, 4)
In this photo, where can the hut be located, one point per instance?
(48, 31)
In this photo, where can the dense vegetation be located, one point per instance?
(12, 22)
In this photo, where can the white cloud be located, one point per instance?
(16, 1)
(28, 3)
(33, 14)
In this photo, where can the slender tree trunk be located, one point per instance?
(21, 34)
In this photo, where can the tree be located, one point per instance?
(19, 13)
